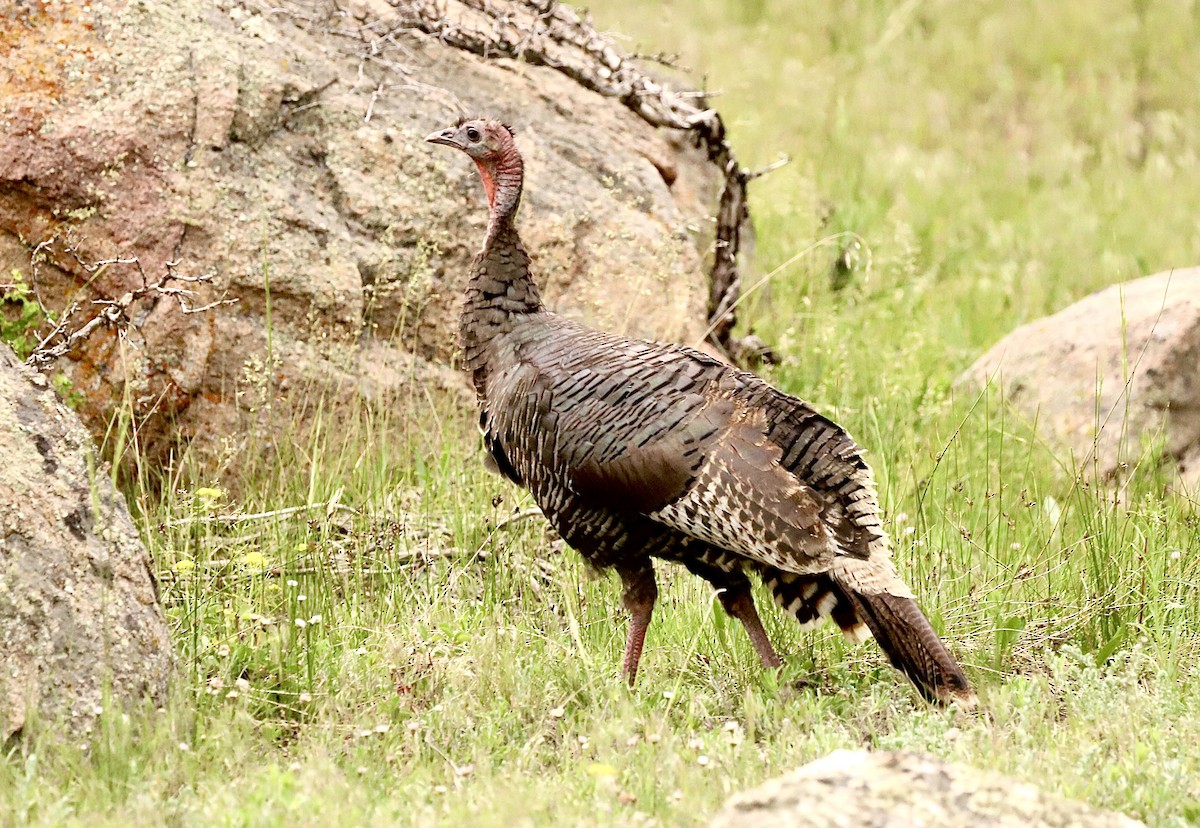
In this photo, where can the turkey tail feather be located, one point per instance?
(810, 599)
(904, 633)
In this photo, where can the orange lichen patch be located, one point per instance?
(42, 44)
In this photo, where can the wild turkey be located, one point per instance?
(639, 450)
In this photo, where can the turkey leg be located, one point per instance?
(733, 588)
(638, 597)
(740, 604)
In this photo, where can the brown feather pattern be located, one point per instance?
(637, 450)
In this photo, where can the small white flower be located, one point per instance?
(242, 685)
(302, 597)
(558, 712)
(184, 747)
(304, 698)
(301, 623)
(292, 583)
(702, 760)
(316, 619)
(668, 694)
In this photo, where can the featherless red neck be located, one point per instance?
(503, 174)
(491, 146)
(501, 290)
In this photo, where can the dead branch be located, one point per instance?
(235, 519)
(546, 33)
(392, 560)
(111, 313)
(517, 517)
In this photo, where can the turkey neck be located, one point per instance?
(501, 290)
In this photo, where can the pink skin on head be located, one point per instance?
(490, 145)
(489, 184)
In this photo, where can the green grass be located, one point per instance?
(997, 162)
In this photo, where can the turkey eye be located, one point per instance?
(472, 134)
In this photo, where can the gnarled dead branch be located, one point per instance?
(547, 33)
(67, 332)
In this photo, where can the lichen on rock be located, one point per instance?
(79, 612)
(892, 789)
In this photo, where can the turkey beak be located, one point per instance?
(446, 137)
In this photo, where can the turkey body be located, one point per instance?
(638, 450)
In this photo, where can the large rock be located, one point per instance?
(79, 611)
(282, 151)
(1111, 374)
(862, 789)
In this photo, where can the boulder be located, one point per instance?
(79, 612)
(1111, 375)
(281, 151)
(867, 789)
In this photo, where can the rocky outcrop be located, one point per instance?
(280, 149)
(1111, 375)
(863, 789)
(79, 612)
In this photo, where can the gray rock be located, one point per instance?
(79, 612)
(1111, 374)
(283, 152)
(904, 790)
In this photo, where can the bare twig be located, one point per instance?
(395, 560)
(111, 313)
(783, 161)
(517, 517)
(371, 104)
(669, 60)
(230, 520)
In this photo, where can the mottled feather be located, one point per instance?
(637, 450)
